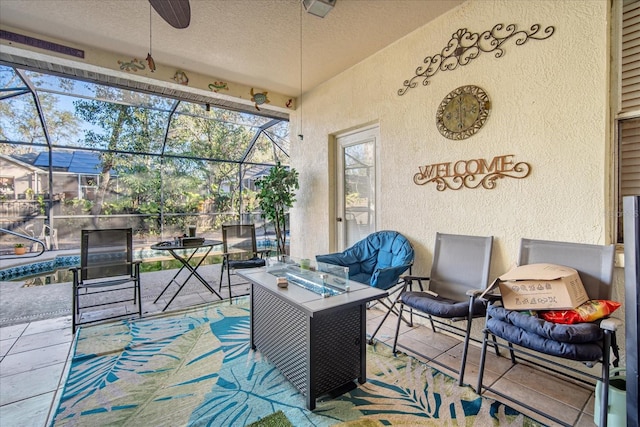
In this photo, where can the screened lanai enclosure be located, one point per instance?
(76, 154)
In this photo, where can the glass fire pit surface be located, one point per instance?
(326, 279)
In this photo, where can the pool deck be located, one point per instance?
(23, 304)
(7, 261)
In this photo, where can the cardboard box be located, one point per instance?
(541, 287)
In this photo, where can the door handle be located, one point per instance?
(339, 219)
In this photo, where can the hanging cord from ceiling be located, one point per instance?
(300, 134)
(150, 62)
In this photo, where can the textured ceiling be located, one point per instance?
(258, 43)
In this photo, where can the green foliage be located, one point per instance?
(77, 207)
(275, 196)
(41, 205)
(19, 120)
(197, 170)
(149, 208)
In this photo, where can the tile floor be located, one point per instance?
(571, 403)
(33, 359)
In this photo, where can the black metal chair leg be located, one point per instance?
(604, 399)
(229, 285)
(495, 345)
(395, 339)
(465, 348)
(483, 355)
(389, 311)
(224, 263)
(512, 353)
(433, 326)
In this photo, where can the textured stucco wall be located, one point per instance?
(549, 108)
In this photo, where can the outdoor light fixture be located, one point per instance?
(318, 7)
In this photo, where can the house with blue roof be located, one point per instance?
(26, 175)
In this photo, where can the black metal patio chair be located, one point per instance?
(107, 276)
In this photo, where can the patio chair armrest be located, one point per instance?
(409, 279)
(474, 292)
(610, 324)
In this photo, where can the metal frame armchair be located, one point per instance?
(106, 269)
(240, 250)
(460, 268)
(48, 235)
(537, 339)
(378, 260)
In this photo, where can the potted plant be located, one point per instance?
(275, 196)
(28, 193)
(19, 249)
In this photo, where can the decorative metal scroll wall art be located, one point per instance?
(465, 46)
(472, 173)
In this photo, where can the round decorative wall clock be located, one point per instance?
(463, 112)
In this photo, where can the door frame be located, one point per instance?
(352, 137)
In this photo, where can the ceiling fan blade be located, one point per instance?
(176, 12)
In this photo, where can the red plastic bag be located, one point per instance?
(588, 312)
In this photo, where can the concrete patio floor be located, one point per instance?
(20, 304)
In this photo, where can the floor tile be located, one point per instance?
(23, 362)
(21, 386)
(32, 412)
(529, 413)
(585, 420)
(14, 331)
(5, 346)
(543, 383)
(40, 326)
(493, 363)
(42, 339)
(523, 393)
(410, 345)
(437, 340)
(589, 407)
(387, 331)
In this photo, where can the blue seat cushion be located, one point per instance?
(580, 341)
(247, 263)
(441, 307)
(378, 260)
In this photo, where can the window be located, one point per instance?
(7, 189)
(88, 186)
(628, 111)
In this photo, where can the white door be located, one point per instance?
(356, 186)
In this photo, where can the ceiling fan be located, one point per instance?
(177, 13)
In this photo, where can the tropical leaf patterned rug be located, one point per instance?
(195, 368)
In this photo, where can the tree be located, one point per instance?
(19, 119)
(125, 128)
(275, 196)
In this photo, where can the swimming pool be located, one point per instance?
(56, 270)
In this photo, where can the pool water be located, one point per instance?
(57, 270)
